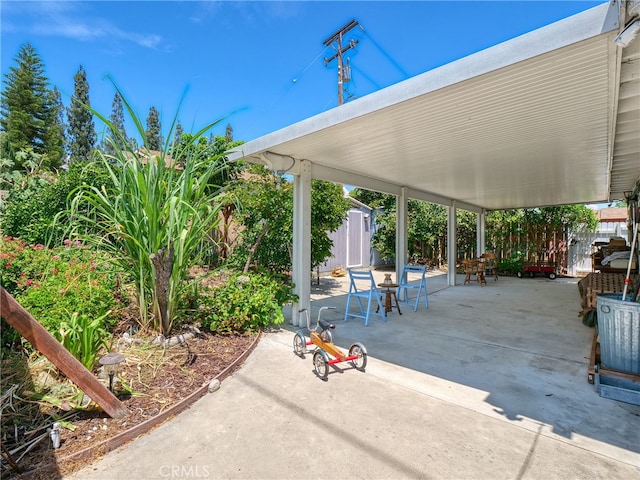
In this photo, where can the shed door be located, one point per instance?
(354, 239)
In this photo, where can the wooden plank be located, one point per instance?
(620, 375)
(593, 361)
(330, 348)
(40, 338)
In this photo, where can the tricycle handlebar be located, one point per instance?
(306, 312)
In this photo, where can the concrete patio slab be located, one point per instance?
(489, 382)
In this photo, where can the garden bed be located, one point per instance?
(154, 384)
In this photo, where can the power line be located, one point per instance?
(295, 79)
(309, 66)
(367, 77)
(387, 56)
(344, 71)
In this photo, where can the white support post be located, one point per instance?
(401, 232)
(452, 250)
(301, 276)
(481, 226)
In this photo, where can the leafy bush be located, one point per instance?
(84, 337)
(30, 213)
(53, 284)
(15, 259)
(152, 217)
(265, 209)
(245, 303)
(511, 265)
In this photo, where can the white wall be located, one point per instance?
(581, 248)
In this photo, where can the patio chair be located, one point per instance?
(474, 267)
(362, 286)
(490, 265)
(404, 285)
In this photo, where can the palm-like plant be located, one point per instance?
(152, 216)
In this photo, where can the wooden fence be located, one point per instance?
(525, 243)
(531, 243)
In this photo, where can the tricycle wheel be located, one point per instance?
(358, 350)
(519, 274)
(320, 365)
(299, 344)
(552, 276)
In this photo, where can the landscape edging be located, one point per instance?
(117, 441)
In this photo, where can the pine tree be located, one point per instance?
(27, 107)
(56, 139)
(82, 133)
(154, 137)
(117, 119)
(229, 133)
(179, 132)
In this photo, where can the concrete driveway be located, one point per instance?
(489, 382)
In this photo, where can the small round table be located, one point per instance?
(388, 305)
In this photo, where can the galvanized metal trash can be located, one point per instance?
(619, 332)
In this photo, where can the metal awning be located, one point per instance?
(549, 118)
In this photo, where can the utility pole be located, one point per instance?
(337, 37)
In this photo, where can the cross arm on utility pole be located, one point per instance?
(333, 37)
(340, 50)
(352, 44)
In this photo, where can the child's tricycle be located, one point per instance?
(326, 353)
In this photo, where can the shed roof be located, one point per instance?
(616, 214)
(548, 118)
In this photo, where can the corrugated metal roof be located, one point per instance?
(626, 146)
(526, 123)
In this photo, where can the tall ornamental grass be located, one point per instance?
(152, 214)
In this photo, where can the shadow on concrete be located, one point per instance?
(331, 429)
(514, 349)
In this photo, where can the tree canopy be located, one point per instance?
(118, 138)
(427, 225)
(29, 109)
(153, 134)
(265, 208)
(82, 132)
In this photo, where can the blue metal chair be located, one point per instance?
(404, 285)
(363, 286)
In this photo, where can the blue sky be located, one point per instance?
(257, 64)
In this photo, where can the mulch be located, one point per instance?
(156, 383)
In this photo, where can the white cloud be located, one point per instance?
(72, 20)
(230, 12)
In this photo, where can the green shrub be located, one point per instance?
(245, 303)
(511, 265)
(30, 213)
(14, 260)
(84, 337)
(53, 284)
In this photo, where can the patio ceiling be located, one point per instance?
(548, 118)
